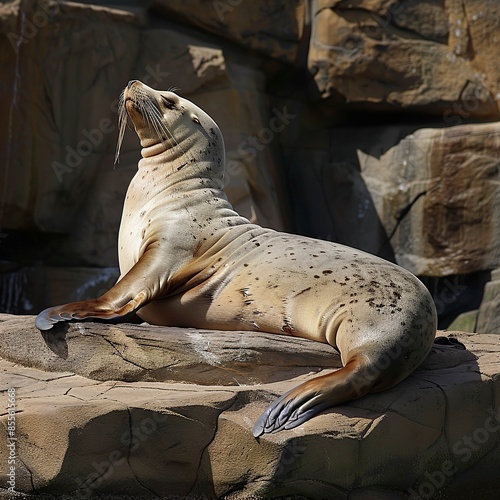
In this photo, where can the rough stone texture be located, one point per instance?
(273, 28)
(433, 191)
(102, 409)
(453, 228)
(429, 55)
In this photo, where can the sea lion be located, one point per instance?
(187, 259)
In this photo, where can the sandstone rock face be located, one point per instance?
(61, 178)
(428, 194)
(428, 55)
(452, 197)
(273, 28)
(154, 411)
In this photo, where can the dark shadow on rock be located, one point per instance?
(448, 342)
(332, 202)
(456, 294)
(55, 339)
(140, 457)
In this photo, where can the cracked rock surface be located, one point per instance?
(161, 412)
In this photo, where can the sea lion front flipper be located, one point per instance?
(87, 309)
(118, 304)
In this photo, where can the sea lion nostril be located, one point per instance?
(129, 85)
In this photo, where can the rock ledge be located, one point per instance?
(147, 411)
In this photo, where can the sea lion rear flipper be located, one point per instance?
(449, 342)
(116, 305)
(312, 397)
(286, 413)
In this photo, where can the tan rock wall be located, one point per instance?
(59, 172)
(449, 177)
(428, 55)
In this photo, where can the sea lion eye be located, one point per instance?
(169, 103)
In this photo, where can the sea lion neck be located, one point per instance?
(173, 164)
(153, 150)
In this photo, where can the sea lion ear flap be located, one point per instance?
(195, 119)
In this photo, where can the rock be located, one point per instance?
(273, 28)
(388, 55)
(71, 116)
(447, 229)
(64, 182)
(488, 319)
(429, 194)
(161, 353)
(465, 322)
(154, 411)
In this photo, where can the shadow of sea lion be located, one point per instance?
(55, 340)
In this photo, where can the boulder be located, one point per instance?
(487, 317)
(275, 28)
(442, 211)
(428, 194)
(151, 411)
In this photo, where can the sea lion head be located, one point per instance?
(170, 125)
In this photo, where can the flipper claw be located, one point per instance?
(44, 321)
(288, 412)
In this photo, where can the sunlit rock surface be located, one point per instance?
(154, 411)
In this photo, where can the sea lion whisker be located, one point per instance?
(155, 122)
(122, 124)
(163, 127)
